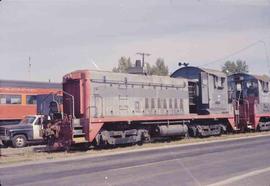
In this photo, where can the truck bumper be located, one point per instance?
(4, 138)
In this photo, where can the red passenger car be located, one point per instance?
(18, 98)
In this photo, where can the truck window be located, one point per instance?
(38, 122)
(28, 120)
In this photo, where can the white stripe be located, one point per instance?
(240, 177)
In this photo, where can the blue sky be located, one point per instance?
(66, 35)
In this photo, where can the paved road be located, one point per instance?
(241, 162)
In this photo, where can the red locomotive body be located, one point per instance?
(114, 108)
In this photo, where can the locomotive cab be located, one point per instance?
(207, 90)
(250, 95)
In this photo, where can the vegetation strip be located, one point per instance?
(36, 154)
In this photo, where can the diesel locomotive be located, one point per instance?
(107, 108)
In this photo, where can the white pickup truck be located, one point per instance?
(26, 132)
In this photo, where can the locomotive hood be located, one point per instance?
(17, 126)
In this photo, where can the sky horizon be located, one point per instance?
(61, 36)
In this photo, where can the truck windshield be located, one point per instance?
(28, 119)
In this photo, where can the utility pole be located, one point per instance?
(143, 54)
(29, 67)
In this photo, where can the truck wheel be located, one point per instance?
(19, 141)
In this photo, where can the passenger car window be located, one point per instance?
(31, 99)
(10, 99)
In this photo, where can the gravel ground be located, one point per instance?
(35, 153)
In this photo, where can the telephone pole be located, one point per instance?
(143, 55)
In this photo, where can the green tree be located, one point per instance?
(123, 64)
(159, 68)
(232, 67)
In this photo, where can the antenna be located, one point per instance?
(94, 63)
(29, 67)
(96, 66)
(143, 54)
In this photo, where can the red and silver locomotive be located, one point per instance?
(104, 108)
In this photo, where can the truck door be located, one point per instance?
(37, 126)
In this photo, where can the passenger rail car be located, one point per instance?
(18, 98)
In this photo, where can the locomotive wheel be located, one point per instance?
(19, 141)
(220, 131)
(258, 128)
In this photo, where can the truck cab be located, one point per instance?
(26, 132)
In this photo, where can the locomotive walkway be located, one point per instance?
(239, 162)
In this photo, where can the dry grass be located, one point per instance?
(36, 153)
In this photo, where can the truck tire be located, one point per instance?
(19, 141)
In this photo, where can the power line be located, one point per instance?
(266, 55)
(241, 50)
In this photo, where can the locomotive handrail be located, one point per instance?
(51, 93)
(247, 117)
(236, 107)
(73, 104)
(72, 97)
(239, 97)
(138, 83)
